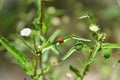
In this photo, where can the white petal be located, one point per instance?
(25, 32)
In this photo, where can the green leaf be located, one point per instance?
(91, 19)
(19, 56)
(75, 37)
(50, 39)
(82, 17)
(86, 50)
(54, 49)
(44, 28)
(76, 71)
(110, 45)
(51, 47)
(54, 35)
(106, 52)
(42, 38)
(68, 53)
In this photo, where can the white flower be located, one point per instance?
(93, 28)
(25, 32)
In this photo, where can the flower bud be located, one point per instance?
(78, 46)
(93, 28)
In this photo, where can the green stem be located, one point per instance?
(41, 24)
(36, 57)
(41, 66)
(91, 59)
(110, 45)
(98, 46)
(42, 13)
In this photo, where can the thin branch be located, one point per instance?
(41, 24)
(36, 57)
(91, 59)
(42, 13)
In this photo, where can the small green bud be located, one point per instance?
(79, 46)
(106, 53)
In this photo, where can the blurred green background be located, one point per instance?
(64, 14)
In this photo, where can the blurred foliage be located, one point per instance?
(17, 14)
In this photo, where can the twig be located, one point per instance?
(41, 24)
(42, 13)
(36, 57)
(91, 59)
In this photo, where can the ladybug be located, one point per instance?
(60, 40)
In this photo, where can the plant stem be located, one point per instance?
(90, 60)
(41, 62)
(36, 57)
(42, 13)
(41, 24)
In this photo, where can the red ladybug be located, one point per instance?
(60, 40)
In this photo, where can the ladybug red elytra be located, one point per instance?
(60, 40)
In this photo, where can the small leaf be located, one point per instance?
(68, 53)
(42, 38)
(86, 50)
(91, 19)
(50, 39)
(82, 17)
(76, 71)
(54, 35)
(80, 38)
(106, 53)
(54, 49)
(20, 57)
(110, 45)
(47, 48)
(44, 28)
